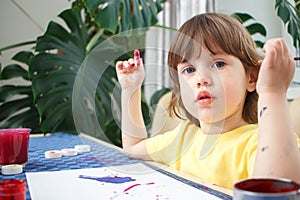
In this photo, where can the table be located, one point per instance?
(102, 154)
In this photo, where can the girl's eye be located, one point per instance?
(218, 65)
(188, 70)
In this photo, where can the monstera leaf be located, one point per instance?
(289, 14)
(17, 107)
(62, 55)
(53, 74)
(253, 28)
(122, 15)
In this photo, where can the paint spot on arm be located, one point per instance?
(264, 148)
(262, 111)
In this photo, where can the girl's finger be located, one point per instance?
(125, 64)
(119, 65)
(270, 53)
(131, 63)
(136, 56)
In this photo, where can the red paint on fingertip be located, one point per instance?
(137, 57)
(136, 53)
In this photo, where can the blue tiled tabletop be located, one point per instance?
(99, 156)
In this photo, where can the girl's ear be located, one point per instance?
(252, 81)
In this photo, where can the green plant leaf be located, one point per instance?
(25, 119)
(284, 13)
(19, 113)
(17, 108)
(122, 15)
(293, 29)
(9, 91)
(289, 14)
(13, 71)
(243, 17)
(259, 43)
(53, 74)
(297, 5)
(108, 17)
(253, 28)
(257, 28)
(23, 57)
(12, 107)
(92, 5)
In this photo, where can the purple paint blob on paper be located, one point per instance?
(109, 179)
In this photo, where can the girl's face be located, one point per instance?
(214, 87)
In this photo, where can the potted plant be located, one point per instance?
(46, 104)
(253, 28)
(290, 14)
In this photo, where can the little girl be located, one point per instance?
(238, 123)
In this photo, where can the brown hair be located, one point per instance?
(217, 33)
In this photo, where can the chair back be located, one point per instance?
(295, 114)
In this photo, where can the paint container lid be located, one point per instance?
(11, 169)
(53, 154)
(83, 148)
(69, 152)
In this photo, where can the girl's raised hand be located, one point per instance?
(277, 68)
(131, 73)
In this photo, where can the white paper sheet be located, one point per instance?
(139, 182)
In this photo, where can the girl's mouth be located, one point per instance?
(204, 98)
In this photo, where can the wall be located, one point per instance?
(263, 11)
(16, 27)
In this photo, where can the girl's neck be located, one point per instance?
(220, 127)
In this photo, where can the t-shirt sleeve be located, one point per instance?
(298, 141)
(252, 149)
(163, 148)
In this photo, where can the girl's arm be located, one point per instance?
(131, 75)
(277, 152)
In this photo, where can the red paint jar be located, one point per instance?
(12, 189)
(266, 189)
(14, 146)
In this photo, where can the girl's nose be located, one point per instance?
(202, 80)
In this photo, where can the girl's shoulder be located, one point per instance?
(246, 135)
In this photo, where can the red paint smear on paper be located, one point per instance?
(132, 186)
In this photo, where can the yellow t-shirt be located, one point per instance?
(221, 159)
